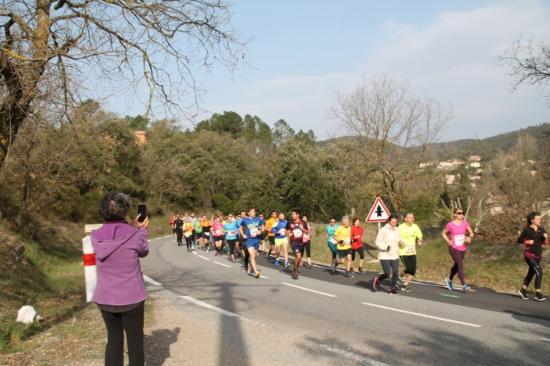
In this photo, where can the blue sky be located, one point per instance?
(304, 53)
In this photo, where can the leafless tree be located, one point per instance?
(128, 42)
(394, 127)
(529, 62)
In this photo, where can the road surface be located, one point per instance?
(214, 314)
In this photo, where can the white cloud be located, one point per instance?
(454, 59)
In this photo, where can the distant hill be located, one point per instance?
(487, 147)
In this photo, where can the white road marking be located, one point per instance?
(151, 281)
(222, 264)
(203, 257)
(352, 356)
(195, 253)
(545, 339)
(308, 289)
(210, 307)
(162, 237)
(423, 315)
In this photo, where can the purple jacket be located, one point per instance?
(118, 247)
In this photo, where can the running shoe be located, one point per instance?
(287, 264)
(539, 297)
(277, 263)
(405, 288)
(375, 283)
(361, 270)
(523, 294)
(333, 269)
(308, 266)
(466, 288)
(348, 274)
(448, 284)
(257, 274)
(400, 281)
(393, 291)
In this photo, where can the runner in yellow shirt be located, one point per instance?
(270, 234)
(410, 235)
(343, 238)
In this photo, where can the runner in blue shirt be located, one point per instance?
(231, 230)
(281, 239)
(251, 228)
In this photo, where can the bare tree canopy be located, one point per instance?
(529, 62)
(45, 44)
(384, 114)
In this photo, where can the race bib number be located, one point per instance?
(282, 232)
(410, 249)
(231, 233)
(254, 232)
(218, 233)
(207, 233)
(297, 233)
(459, 240)
(347, 241)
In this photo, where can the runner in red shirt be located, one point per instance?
(357, 244)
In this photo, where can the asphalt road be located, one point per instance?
(229, 318)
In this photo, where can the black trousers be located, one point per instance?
(131, 323)
(179, 235)
(390, 268)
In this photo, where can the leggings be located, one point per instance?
(534, 270)
(333, 250)
(458, 267)
(179, 234)
(307, 248)
(231, 243)
(390, 267)
(361, 252)
(246, 257)
(131, 323)
(188, 241)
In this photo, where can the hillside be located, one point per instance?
(486, 147)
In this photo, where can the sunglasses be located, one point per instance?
(460, 213)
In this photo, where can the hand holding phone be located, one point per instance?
(142, 212)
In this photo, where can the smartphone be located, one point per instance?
(142, 212)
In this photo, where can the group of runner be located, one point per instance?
(246, 236)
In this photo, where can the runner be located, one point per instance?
(281, 239)
(240, 242)
(171, 221)
(343, 238)
(177, 226)
(188, 233)
(206, 225)
(263, 236)
(231, 229)
(197, 232)
(410, 235)
(250, 230)
(297, 229)
(331, 242)
(460, 235)
(217, 232)
(387, 241)
(270, 235)
(307, 241)
(534, 237)
(357, 244)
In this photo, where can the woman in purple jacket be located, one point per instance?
(120, 292)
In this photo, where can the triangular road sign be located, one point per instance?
(378, 212)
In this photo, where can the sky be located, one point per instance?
(304, 53)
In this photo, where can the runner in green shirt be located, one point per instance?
(411, 235)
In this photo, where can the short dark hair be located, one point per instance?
(295, 210)
(531, 217)
(114, 206)
(392, 216)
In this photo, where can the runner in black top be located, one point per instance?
(534, 237)
(178, 229)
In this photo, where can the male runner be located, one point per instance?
(281, 239)
(297, 229)
(270, 235)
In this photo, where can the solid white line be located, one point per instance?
(203, 257)
(308, 289)
(545, 339)
(222, 264)
(352, 356)
(151, 281)
(161, 237)
(209, 307)
(423, 315)
(195, 253)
